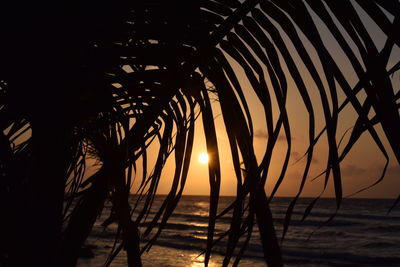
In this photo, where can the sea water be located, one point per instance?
(361, 234)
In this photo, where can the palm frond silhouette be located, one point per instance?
(107, 82)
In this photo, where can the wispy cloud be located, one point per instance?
(261, 134)
(351, 170)
(264, 135)
(393, 170)
(297, 156)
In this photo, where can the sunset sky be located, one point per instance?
(362, 166)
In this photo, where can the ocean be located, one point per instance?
(361, 234)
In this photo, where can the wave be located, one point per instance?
(178, 226)
(353, 215)
(199, 244)
(334, 258)
(319, 222)
(381, 244)
(293, 256)
(385, 228)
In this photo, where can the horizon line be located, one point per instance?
(312, 197)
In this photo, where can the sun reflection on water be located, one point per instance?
(198, 224)
(201, 208)
(198, 261)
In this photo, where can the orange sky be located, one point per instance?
(361, 167)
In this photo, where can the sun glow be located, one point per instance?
(203, 158)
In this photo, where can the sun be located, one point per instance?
(203, 158)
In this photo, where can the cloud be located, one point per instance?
(374, 171)
(393, 170)
(264, 135)
(297, 156)
(261, 134)
(282, 137)
(351, 170)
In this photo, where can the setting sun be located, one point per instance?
(203, 158)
